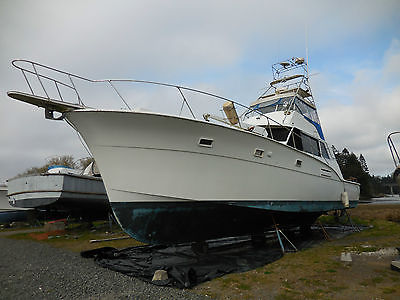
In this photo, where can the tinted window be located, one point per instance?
(324, 151)
(278, 133)
(304, 142)
(310, 145)
(295, 140)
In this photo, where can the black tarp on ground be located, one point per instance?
(186, 268)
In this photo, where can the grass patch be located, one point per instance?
(338, 288)
(331, 271)
(377, 280)
(244, 286)
(388, 290)
(77, 236)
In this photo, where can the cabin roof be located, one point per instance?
(286, 93)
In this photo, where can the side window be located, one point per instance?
(310, 145)
(304, 143)
(324, 151)
(277, 133)
(295, 140)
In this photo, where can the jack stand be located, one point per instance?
(110, 221)
(326, 234)
(354, 226)
(278, 232)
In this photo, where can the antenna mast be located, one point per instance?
(307, 47)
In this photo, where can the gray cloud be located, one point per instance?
(364, 124)
(224, 46)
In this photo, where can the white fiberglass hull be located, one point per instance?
(77, 194)
(150, 161)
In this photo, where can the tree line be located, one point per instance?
(62, 160)
(355, 168)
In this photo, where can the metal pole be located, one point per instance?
(109, 81)
(40, 81)
(184, 99)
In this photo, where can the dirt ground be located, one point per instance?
(318, 272)
(313, 273)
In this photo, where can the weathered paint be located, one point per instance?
(173, 222)
(77, 194)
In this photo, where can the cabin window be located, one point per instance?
(278, 133)
(310, 145)
(324, 151)
(295, 140)
(270, 106)
(306, 110)
(303, 142)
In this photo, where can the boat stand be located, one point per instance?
(326, 234)
(278, 234)
(354, 226)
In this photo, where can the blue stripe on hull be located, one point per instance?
(176, 222)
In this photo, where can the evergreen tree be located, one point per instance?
(363, 163)
(352, 170)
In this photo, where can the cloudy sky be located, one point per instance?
(226, 47)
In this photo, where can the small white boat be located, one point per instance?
(60, 189)
(9, 213)
(174, 178)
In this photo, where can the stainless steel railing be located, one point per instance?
(40, 73)
(393, 149)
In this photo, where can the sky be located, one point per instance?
(225, 47)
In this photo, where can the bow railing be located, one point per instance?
(51, 83)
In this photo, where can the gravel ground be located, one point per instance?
(30, 270)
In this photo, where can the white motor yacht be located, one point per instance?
(174, 178)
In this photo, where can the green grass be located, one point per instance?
(244, 286)
(388, 290)
(77, 236)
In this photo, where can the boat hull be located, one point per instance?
(175, 222)
(75, 194)
(160, 178)
(8, 213)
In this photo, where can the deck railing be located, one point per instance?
(40, 77)
(393, 149)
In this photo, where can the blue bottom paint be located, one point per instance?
(177, 222)
(13, 216)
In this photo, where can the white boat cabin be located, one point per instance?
(290, 118)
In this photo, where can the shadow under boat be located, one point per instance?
(62, 190)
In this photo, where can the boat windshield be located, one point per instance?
(306, 110)
(271, 106)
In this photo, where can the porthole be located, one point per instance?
(259, 153)
(205, 142)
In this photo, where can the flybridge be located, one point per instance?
(289, 91)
